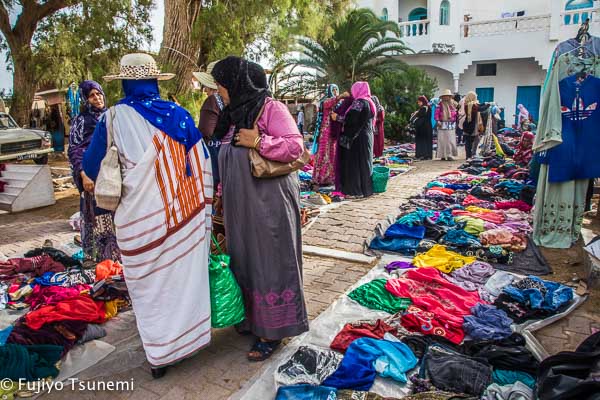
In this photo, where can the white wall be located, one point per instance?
(493, 9)
(444, 78)
(509, 75)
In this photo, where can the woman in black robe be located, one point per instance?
(421, 120)
(356, 143)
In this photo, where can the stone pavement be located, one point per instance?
(222, 369)
(346, 227)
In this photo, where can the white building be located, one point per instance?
(499, 48)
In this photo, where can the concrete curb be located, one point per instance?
(337, 254)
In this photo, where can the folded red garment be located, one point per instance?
(50, 295)
(418, 320)
(518, 204)
(351, 332)
(431, 292)
(80, 308)
(35, 265)
(470, 200)
(441, 189)
(489, 217)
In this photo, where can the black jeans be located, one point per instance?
(469, 145)
(459, 135)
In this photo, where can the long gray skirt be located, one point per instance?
(264, 240)
(446, 143)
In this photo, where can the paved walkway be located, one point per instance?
(222, 369)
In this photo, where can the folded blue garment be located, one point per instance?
(79, 255)
(460, 238)
(402, 246)
(4, 334)
(556, 295)
(458, 186)
(405, 231)
(306, 392)
(504, 377)
(416, 217)
(51, 279)
(487, 323)
(366, 357)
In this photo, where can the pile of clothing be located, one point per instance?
(397, 158)
(62, 305)
(448, 335)
(454, 308)
(481, 210)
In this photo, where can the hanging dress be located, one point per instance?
(558, 214)
(324, 168)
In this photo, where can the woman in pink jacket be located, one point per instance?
(262, 216)
(445, 118)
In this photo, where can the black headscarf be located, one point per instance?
(247, 85)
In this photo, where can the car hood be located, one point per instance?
(20, 134)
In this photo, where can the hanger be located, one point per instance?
(582, 34)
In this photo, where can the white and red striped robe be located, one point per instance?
(163, 226)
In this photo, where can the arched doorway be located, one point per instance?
(417, 14)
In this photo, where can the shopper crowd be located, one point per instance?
(182, 187)
(457, 121)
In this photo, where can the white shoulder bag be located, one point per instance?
(107, 189)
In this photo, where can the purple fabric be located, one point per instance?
(398, 265)
(82, 129)
(473, 276)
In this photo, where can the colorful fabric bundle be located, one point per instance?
(440, 258)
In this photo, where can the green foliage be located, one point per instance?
(255, 28)
(398, 92)
(362, 47)
(87, 41)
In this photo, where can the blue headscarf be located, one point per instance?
(329, 91)
(143, 96)
(82, 128)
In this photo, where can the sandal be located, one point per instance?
(264, 349)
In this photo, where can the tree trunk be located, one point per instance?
(179, 48)
(24, 85)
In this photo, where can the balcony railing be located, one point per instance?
(506, 25)
(414, 28)
(577, 17)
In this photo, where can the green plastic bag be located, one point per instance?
(226, 301)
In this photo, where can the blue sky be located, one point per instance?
(157, 25)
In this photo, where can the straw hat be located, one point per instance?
(206, 78)
(139, 66)
(447, 92)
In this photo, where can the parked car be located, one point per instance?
(20, 144)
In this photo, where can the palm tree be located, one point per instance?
(362, 47)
